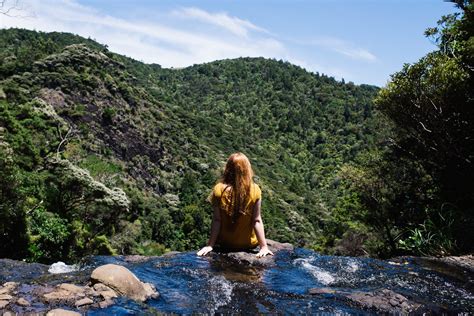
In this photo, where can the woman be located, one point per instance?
(236, 200)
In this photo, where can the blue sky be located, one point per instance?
(363, 41)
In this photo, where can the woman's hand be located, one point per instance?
(264, 251)
(204, 251)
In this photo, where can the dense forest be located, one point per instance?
(102, 154)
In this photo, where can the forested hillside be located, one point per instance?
(107, 154)
(102, 154)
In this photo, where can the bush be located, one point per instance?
(108, 115)
(50, 236)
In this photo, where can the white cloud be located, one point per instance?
(336, 72)
(232, 24)
(14, 8)
(151, 41)
(342, 47)
(164, 43)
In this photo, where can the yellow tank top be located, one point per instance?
(241, 234)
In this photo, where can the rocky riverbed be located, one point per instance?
(106, 283)
(292, 281)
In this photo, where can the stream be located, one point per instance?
(215, 284)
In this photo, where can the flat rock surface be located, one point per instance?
(322, 290)
(22, 302)
(249, 257)
(384, 301)
(3, 304)
(13, 270)
(62, 312)
(466, 262)
(84, 301)
(460, 268)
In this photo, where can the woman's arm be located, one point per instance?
(259, 230)
(215, 228)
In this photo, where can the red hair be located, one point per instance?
(238, 176)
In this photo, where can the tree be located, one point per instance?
(430, 104)
(13, 236)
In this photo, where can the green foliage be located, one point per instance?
(108, 115)
(100, 245)
(335, 174)
(422, 186)
(127, 241)
(433, 236)
(50, 236)
(151, 248)
(154, 141)
(21, 48)
(13, 232)
(100, 168)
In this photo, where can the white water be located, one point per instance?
(319, 274)
(221, 292)
(216, 292)
(352, 266)
(61, 267)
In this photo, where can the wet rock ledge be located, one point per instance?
(248, 258)
(106, 283)
(381, 301)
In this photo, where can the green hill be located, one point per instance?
(100, 153)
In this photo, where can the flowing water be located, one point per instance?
(191, 284)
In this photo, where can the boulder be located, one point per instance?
(72, 288)
(84, 301)
(66, 292)
(58, 295)
(5, 297)
(7, 289)
(3, 304)
(107, 295)
(123, 282)
(104, 291)
(22, 302)
(62, 312)
(150, 290)
(106, 303)
(100, 287)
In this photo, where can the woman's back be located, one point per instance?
(235, 231)
(236, 200)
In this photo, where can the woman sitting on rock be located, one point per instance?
(236, 200)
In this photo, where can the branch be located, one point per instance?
(6, 11)
(34, 207)
(6, 8)
(423, 125)
(64, 139)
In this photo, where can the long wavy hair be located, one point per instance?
(238, 176)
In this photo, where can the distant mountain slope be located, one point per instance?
(160, 136)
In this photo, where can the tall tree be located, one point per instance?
(430, 104)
